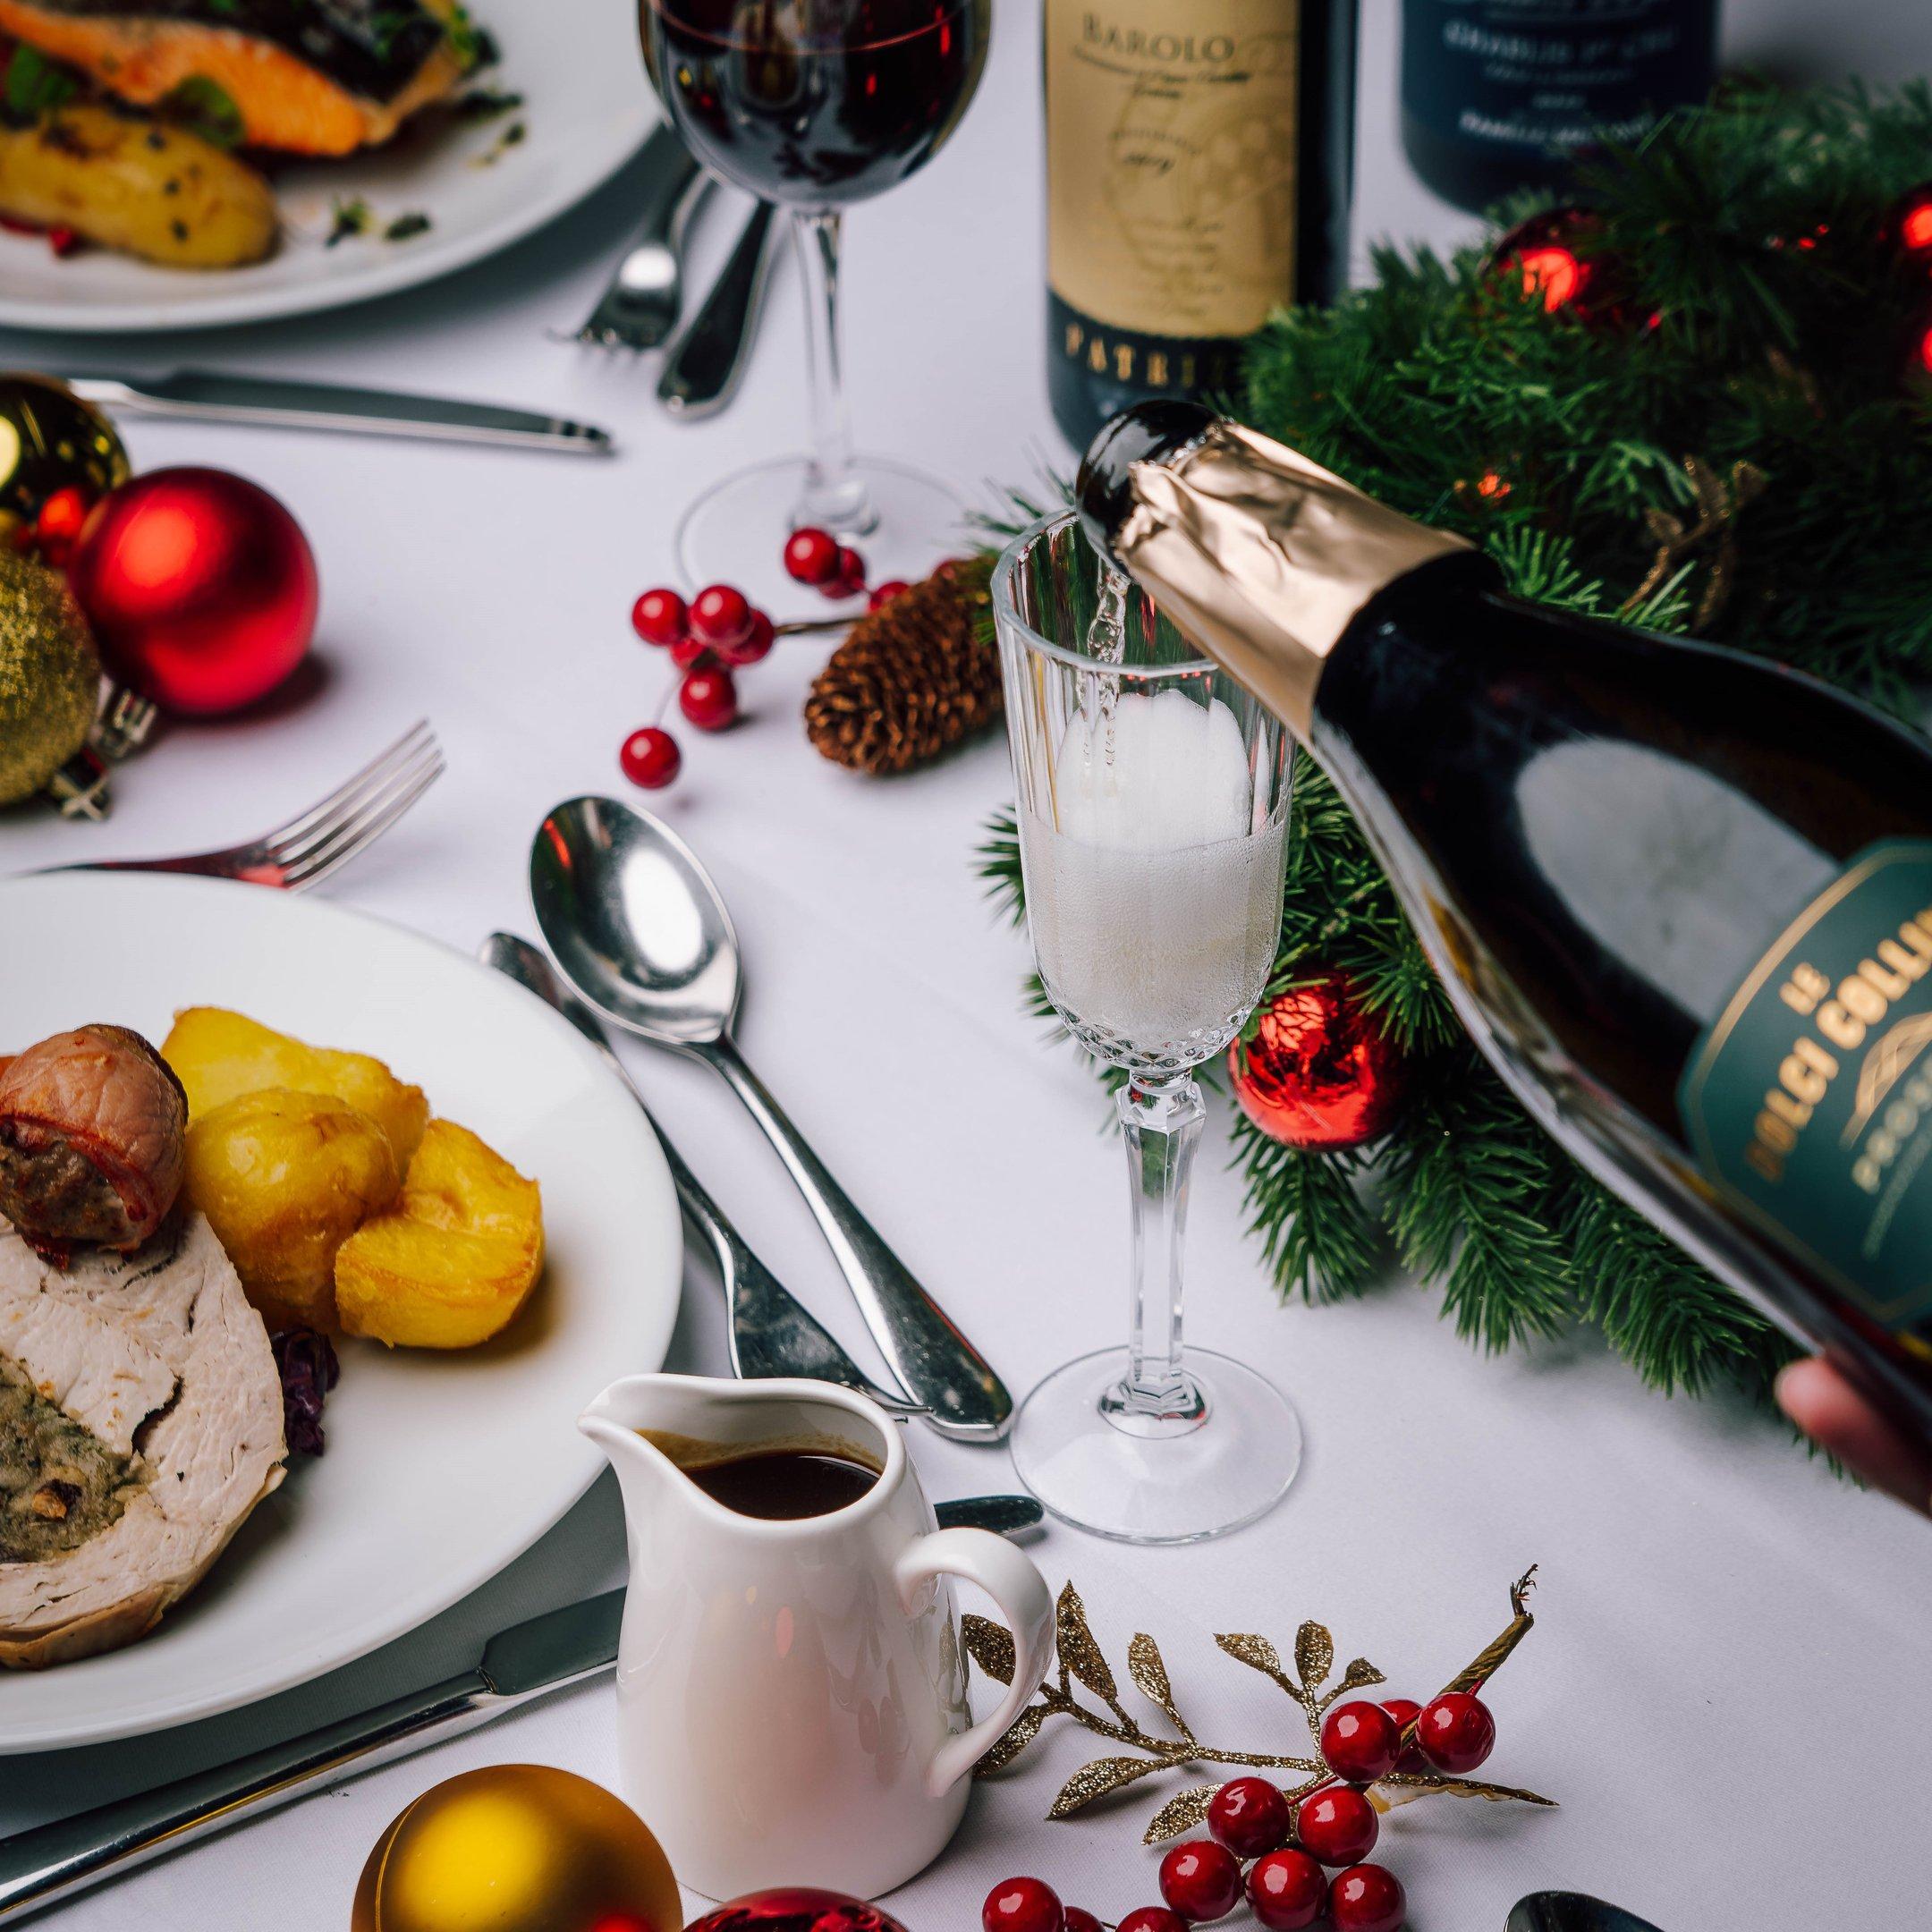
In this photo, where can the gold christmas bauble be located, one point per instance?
(517, 1848)
(50, 440)
(49, 676)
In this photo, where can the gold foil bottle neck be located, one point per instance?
(1263, 558)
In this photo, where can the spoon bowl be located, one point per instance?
(1572, 1911)
(635, 922)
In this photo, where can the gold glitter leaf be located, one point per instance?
(1150, 1672)
(1182, 1812)
(1257, 1653)
(1460, 1787)
(1024, 1729)
(1078, 1650)
(990, 1645)
(1359, 1675)
(1096, 1779)
(1314, 1655)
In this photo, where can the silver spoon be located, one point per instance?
(1570, 1912)
(771, 1333)
(637, 929)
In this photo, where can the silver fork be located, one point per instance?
(310, 846)
(641, 303)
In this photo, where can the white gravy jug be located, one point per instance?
(792, 1695)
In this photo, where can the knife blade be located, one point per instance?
(51, 1863)
(284, 402)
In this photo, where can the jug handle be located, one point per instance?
(1011, 1578)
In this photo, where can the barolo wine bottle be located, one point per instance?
(1681, 898)
(1198, 158)
(1497, 95)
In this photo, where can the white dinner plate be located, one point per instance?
(586, 107)
(439, 1468)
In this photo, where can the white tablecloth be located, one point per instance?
(1730, 1686)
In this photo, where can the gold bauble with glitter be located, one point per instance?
(49, 676)
(51, 440)
(517, 1848)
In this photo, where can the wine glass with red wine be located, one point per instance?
(815, 104)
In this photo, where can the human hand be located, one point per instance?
(1838, 1419)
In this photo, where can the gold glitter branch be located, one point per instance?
(1081, 1663)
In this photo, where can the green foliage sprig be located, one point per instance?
(1738, 449)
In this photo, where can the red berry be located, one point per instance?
(1404, 1710)
(650, 757)
(65, 242)
(1152, 1919)
(1248, 1816)
(1079, 1919)
(811, 555)
(1023, 1905)
(1359, 1741)
(1367, 1898)
(720, 615)
(883, 594)
(659, 617)
(1200, 1879)
(1287, 1890)
(688, 652)
(60, 516)
(1455, 1732)
(708, 698)
(1337, 1825)
(755, 643)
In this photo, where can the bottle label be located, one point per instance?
(1534, 74)
(1809, 1103)
(1170, 173)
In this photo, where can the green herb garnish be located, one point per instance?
(35, 86)
(404, 226)
(352, 217)
(206, 108)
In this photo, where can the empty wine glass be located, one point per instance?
(1153, 808)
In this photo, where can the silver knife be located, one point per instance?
(211, 397)
(53, 1862)
(705, 365)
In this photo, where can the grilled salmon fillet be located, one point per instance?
(318, 77)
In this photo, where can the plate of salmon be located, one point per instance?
(178, 164)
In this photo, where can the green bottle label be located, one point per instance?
(1809, 1103)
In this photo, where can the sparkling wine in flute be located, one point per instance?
(1681, 898)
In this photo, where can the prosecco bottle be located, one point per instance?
(1681, 898)
(1199, 159)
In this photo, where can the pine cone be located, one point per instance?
(912, 680)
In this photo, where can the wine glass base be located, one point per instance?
(1177, 1479)
(735, 533)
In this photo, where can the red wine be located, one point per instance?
(815, 103)
(1680, 897)
(1199, 160)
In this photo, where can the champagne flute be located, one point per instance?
(816, 104)
(1153, 811)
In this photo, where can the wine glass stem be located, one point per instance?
(1162, 1125)
(835, 497)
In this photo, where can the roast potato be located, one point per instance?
(139, 185)
(220, 1055)
(285, 1179)
(456, 1258)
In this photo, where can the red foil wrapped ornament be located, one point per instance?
(1319, 1073)
(200, 586)
(795, 1909)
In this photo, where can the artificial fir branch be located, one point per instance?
(1736, 453)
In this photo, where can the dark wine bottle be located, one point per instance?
(1681, 898)
(1498, 95)
(1199, 164)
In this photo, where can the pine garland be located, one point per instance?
(1737, 450)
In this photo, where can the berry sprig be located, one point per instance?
(720, 631)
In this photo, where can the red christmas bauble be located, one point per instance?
(1557, 256)
(1319, 1072)
(795, 1909)
(201, 589)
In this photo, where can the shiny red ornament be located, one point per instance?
(659, 617)
(1338, 1826)
(1555, 257)
(1023, 1905)
(1367, 1898)
(1358, 1739)
(1909, 224)
(200, 586)
(1455, 1732)
(1249, 1815)
(650, 757)
(795, 1909)
(1319, 1072)
(720, 615)
(811, 555)
(1286, 1890)
(1200, 1879)
(708, 698)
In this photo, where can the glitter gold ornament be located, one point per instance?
(51, 440)
(49, 676)
(517, 1848)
